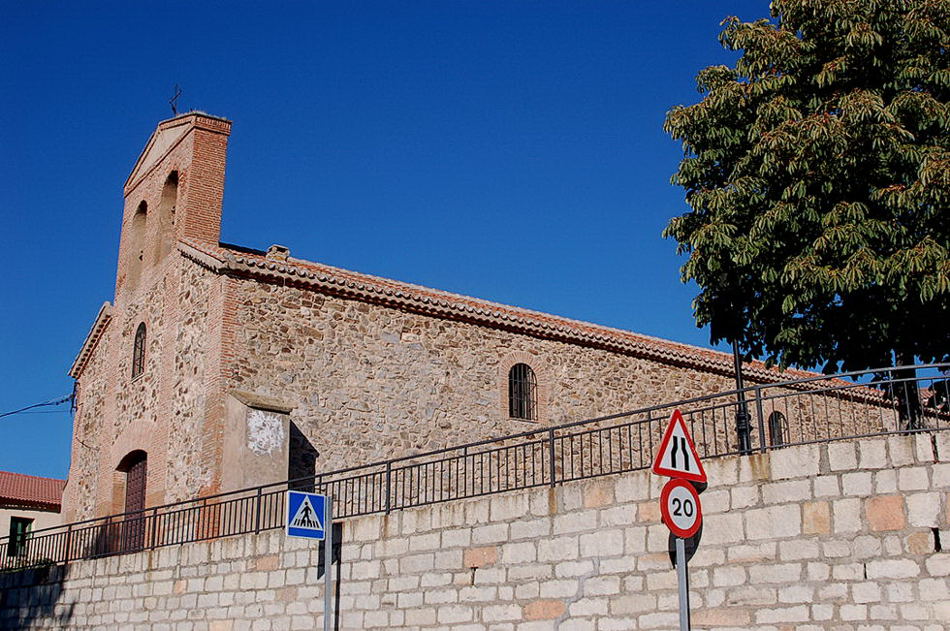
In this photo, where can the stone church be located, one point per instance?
(218, 366)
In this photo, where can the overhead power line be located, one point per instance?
(60, 401)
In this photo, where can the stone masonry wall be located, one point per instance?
(368, 382)
(843, 537)
(188, 472)
(93, 399)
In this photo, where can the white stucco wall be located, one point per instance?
(41, 519)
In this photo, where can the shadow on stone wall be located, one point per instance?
(31, 597)
(302, 462)
(337, 550)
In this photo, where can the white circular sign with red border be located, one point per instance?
(679, 505)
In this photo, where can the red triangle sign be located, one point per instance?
(677, 457)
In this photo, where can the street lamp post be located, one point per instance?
(743, 426)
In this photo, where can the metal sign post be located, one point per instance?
(682, 578)
(679, 501)
(328, 567)
(310, 516)
(682, 514)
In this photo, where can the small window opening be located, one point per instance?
(20, 528)
(522, 392)
(138, 351)
(778, 429)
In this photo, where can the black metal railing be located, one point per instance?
(818, 409)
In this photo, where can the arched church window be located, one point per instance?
(138, 351)
(522, 392)
(778, 429)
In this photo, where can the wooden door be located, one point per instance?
(134, 525)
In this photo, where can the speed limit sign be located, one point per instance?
(679, 505)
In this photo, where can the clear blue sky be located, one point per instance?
(512, 151)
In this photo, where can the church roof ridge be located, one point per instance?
(435, 301)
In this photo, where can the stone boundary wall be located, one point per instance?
(844, 537)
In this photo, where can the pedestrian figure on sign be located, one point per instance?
(304, 519)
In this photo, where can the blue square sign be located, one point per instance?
(306, 515)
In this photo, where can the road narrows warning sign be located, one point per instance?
(677, 456)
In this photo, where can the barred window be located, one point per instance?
(777, 429)
(20, 528)
(138, 352)
(522, 392)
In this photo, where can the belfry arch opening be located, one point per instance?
(166, 217)
(136, 255)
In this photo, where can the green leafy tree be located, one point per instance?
(817, 172)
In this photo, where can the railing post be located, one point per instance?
(760, 418)
(154, 542)
(389, 479)
(257, 511)
(69, 542)
(551, 456)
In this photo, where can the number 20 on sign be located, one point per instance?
(680, 507)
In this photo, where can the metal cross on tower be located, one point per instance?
(174, 100)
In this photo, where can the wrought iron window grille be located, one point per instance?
(522, 393)
(138, 351)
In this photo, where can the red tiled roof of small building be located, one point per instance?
(18, 489)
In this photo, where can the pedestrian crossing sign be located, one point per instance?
(306, 515)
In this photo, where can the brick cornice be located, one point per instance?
(193, 120)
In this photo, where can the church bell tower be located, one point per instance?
(174, 192)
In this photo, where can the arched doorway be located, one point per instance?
(135, 467)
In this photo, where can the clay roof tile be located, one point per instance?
(676, 352)
(30, 490)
